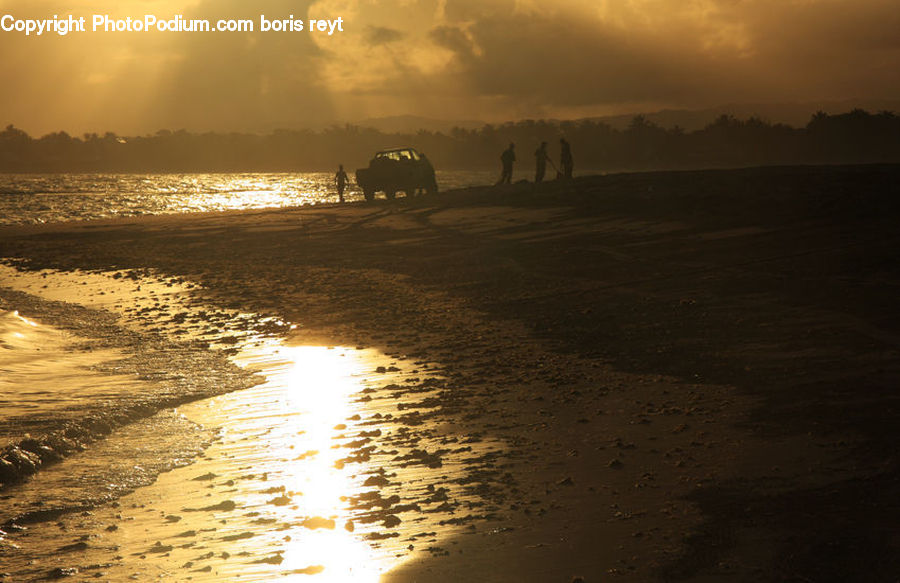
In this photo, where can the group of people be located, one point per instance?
(507, 158)
(541, 158)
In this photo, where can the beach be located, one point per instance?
(677, 376)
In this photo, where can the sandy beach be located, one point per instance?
(670, 376)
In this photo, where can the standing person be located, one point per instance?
(506, 159)
(340, 180)
(565, 158)
(540, 162)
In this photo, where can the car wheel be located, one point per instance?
(390, 192)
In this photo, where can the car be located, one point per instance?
(397, 169)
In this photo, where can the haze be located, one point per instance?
(450, 59)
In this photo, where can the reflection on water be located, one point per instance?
(279, 441)
(318, 385)
(48, 198)
(333, 468)
(316, 405)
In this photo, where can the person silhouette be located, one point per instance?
(340, 180)
(540, 162)
(565, 158)
(506, 159)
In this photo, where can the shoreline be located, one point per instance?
(115, 357)
(694, 370)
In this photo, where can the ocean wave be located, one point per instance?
(76, 375)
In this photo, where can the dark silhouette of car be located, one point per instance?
(397, 169)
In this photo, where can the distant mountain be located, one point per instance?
(793, 114)
(410, 124)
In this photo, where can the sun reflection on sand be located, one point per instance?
(319, 386)
(315, 402)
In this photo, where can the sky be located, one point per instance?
(491, 60)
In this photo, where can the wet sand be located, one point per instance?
(687, 376)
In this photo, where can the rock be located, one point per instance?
(44, 452)
(378, 481)
(239, 536)
(275, 559)
(60, 572)
(26, 463)
(318, 522)
(158, 547)
(226, 506)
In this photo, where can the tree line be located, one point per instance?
(854, 137)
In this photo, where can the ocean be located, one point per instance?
(51, 198)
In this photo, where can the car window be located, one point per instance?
(406, 154)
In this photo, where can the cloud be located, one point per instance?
(484, 59)
(455, 40)
(382, 35)
(243, 81)
(687, 54)
(692, 53)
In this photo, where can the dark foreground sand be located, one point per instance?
(695, 373)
